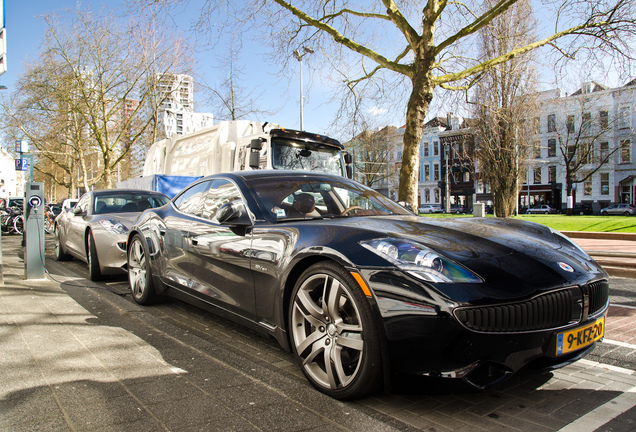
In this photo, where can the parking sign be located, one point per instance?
(22, 164)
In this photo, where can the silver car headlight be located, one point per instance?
(114, 226)
(420, 261)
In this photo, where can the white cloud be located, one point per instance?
(376, 111)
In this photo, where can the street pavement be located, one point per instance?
(82, 356)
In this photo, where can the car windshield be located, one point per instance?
(127, 202)
(299, 155)
(312, 198)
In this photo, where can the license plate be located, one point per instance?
(580, 337)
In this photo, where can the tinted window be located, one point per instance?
(188, 201)
(221, 192)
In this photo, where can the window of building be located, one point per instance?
(604, 183)
(536, 150)
(586, 152)
(587, 186)
(537, 175)
(604, 151)
(570, 124)
(427, 173)
(624, 121)
(552, 123)
(435, 148)
(426, 149)
(603, 119)
(587, 122)
(626, 154)
(551, 147)
(552, 173)
(537, 125)
(427, 195)
(436, 172)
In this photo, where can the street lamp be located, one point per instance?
(299, 57)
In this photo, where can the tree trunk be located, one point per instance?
(417, 109)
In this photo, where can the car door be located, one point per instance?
(76, 221)
(174, 232)
(220, 255)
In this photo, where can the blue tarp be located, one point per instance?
(167, 184)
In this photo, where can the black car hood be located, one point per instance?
(508, 254)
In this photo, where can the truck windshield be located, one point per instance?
(289, 154)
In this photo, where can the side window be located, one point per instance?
(221, 192)
(188, 201)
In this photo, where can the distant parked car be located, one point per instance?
(540, 209)
(430, 208)
(619, 209)
(95, 231)
(579, 209)
(457, 209)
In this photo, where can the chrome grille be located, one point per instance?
(551, 310)
(598, 293)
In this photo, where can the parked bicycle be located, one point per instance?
(49, 217)
(11, 221)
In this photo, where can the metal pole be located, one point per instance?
(302, 127)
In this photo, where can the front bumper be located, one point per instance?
(425, 338)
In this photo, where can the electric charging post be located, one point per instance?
(34, 230)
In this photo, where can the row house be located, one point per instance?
(593, 129)
(447, 170)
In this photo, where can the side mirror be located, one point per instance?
(233, 214)
(255, 152)
(77, 211)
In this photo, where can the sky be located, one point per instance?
(25, 31)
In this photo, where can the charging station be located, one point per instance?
(34, 230)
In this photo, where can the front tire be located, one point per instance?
(333, 333)
(139, 274)
(94, 271)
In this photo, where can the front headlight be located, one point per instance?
(420, 261)
(114, 226)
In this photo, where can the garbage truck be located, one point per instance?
(245, 145)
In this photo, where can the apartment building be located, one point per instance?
(592, 131)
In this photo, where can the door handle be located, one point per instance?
(194, 242)
(162, 232)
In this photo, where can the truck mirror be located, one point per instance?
(349, 169)
(255, 153)
(348, 158)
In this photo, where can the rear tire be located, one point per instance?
(139, 273)
(92, 260)
(333, 334)
(60, 255)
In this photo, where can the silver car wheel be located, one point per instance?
(137, 268)
(327, 331)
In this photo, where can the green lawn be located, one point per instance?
(576, 223)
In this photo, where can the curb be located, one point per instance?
(600, 235)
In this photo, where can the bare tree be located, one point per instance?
(230, 98)
(374, 152)
(503, 101)
(86, 103)
(426, 46)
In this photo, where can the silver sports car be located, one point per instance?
(95, 230)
